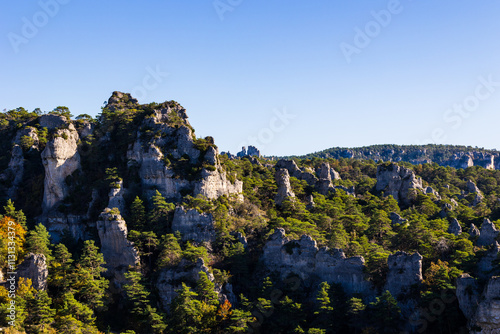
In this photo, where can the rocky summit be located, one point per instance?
(128, 222)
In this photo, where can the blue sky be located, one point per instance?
(291, 77)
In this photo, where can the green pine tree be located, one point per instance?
(137, 219)
(38, 241)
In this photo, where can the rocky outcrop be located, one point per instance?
(431, 191)
(467, 295)
(455, 227)
(214, 184)
(405, 270)
(284, 188)
(192, 225)
(153, 172)
(481, 310)
(400, 182)
(174, 143)
(60, 159)
(252, 151)
(488, 266)
(35, 268)
(295, 171)
(474, 231)
(303, 258)
(116, 199)
(488, 233)
(396, 219)
(487, 316)
(118, 252)
(170, 279)
(473, 189)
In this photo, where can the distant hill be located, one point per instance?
(444, 155)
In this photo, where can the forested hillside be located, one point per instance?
(129, 223)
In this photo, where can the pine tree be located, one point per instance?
(38, 241)
(61, 268)
(41, 315)
(158, 217)
(145, 318)
(19, 216)
(89, 286)
(137, 219)
(171, 251)
(206, 289)
(91, 259)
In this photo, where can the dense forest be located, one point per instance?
(144, 228)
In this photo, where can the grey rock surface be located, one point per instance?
(192, 225)
(454, 227)
(488, 233)
(400, 182)
(303, 258)
(405, 270)
(284, 188)
(35, 268)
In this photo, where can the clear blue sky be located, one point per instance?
(234, 74)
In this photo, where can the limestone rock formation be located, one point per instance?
(473, 231)
(116, 199)
(193, 225)
(400, 182)
(295, 171)
(472, 188)
(303, 258)
(153, 172)
(60, 159)
(455, 227)
(35, 268)
(487, 316)
(404, 271)
(468, 295)
(152, 159)
(284, 188)
(431, 191)
(488, 266)
(52, 122)
(118, 252)
(396, 219)
(214, 184)
(481, 310)
(488, 233)
(170, 278)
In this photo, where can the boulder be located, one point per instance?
(455, 227)
(397, 219)
(35, 268)
(473, 231)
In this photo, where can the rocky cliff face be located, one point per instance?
(60, 159)
(118, 252)
(303, 258)
(192, 225)
(170, 278)
(176, 142)
(481, 310)
(400, 182)
(34, 267)
(405, 270)
(116, 197)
